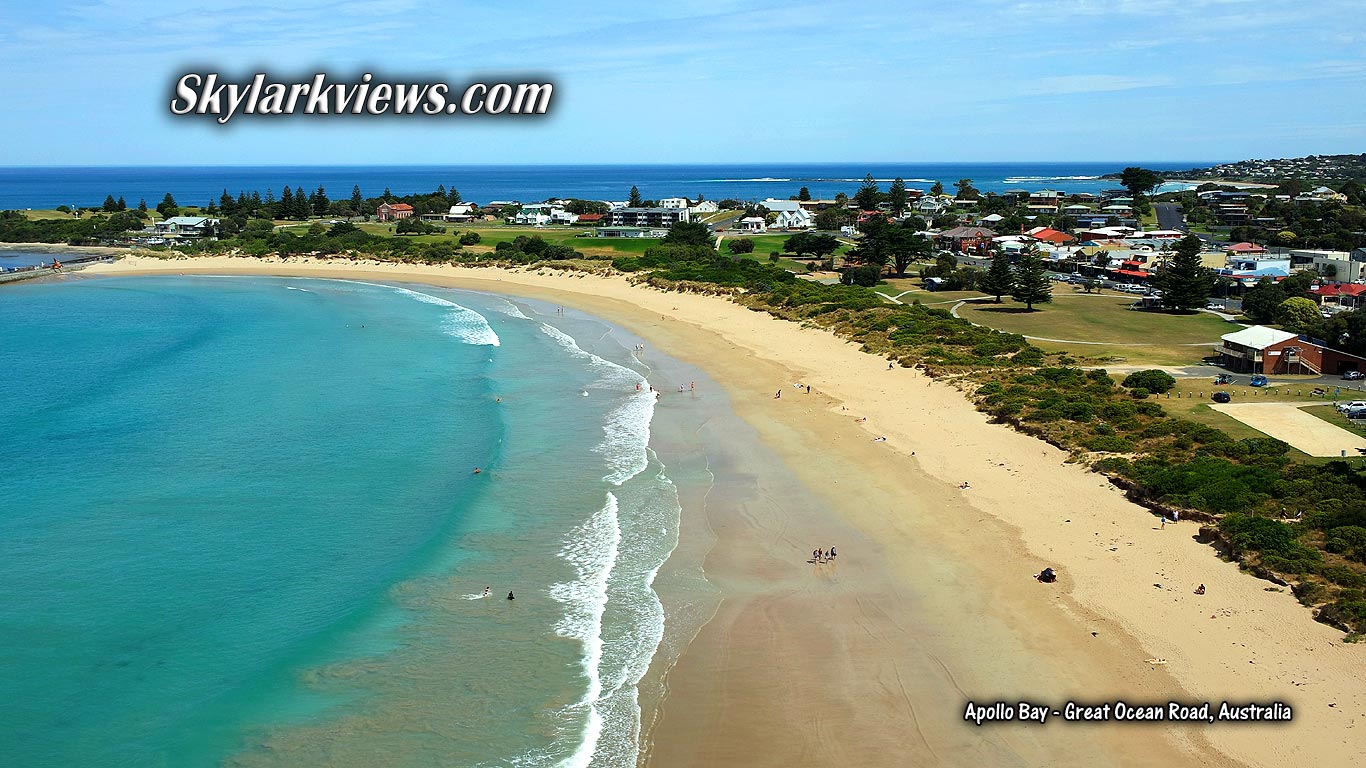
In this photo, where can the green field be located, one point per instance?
(1114, 332)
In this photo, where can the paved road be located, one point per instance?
(1169, 216)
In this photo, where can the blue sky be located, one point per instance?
(705, 80)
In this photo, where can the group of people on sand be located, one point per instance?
(822, 556)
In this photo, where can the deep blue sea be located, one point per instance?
(239, 524)
(42, 188)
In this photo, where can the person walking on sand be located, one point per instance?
(832, 553)
(778, 395)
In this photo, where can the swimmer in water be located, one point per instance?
(488, 591)
(511, 596)
(477, 470)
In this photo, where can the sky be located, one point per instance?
(90, 83)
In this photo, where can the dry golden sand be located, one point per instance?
(931, 602)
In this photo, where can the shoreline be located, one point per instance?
(944, 567)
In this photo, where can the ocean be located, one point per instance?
(240, 524)
(45, 188)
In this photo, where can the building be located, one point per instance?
(778, 206)
(190, 227)
(704, 207)
(630, 232)
(1268, 351)
(1344, 295)
(1246, 249)
(751, 224)
(590, 219)
(798, 219)
(648, 217)
(675, 202)
(962, 239)
(462, 212)
(1049, 235)
(393, 211)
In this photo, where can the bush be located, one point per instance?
(1139, 393)
(867, 276)
(470, 238)
(740, 245)
(1151, 380)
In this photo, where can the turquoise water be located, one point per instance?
(239, 523)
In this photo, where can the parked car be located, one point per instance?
(1215, 305)
(1258, 381)
(1221, 397)
(1223, 378)
(1356, 414)
(1353, 405)
(1354, 375)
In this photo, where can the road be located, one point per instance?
(1170, 216)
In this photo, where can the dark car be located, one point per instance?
(1222, 397)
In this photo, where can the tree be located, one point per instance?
(896, 196)
(470, 238)
(634, 200)
(740, 245)
(804, 194)
(689, 233)
(832, 218)
(966, 191)
(999, 279)
(1260, 303)
(301, 207)
(1298, 315)
(1185, 283)
(357, 200)
(906, 247)
(1139, 181)
(1031, 280)
(110, 204)
(1152, 380)
(123, 204)
(812, 243)
(167, 207)
(937, 189)
(142, 204)
(320, 202)
(868, 196)
(285, 208)
(867, 276)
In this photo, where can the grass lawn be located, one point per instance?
(1117, 333)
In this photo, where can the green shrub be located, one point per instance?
(1152, 380)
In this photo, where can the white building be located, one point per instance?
(675, 202)
(798, 219)
(704, 207)
(751, 224)
(778, 206)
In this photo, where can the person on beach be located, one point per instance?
(889, 366)
(637, 386)
(1200, 590)
(777, 395)
(832, 553)
(880, 439)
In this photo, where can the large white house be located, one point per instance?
(778, 206)
(751, 224)
(542, 214)
(675, 202)
(704, 207)
(798, 219)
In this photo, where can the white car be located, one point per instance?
(1355, 404)
(1214, 305)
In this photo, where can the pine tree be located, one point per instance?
(999, 279)
(142, 205)
(803, 194)
(123, 204)
(301, 209)
(226, 203)
(635, 201)
(357, 200)
(285, 209)
(388, 196)
(320, 202)
(896, 196)
(1031, 280)
(868, 195)
(1185, 283)
(453, 196)
(110, 205)
(167, 207)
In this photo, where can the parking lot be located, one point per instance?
(1289, 422)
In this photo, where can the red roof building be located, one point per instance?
(1341, 294)
(1049, 235)
(393, 211)
(1243, 249)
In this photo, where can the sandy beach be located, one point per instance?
(871, 660)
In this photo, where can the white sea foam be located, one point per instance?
(461, 322)
(627, 430)
(511, 310)
(592, 550)
(1025, 179)
(292, 288)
